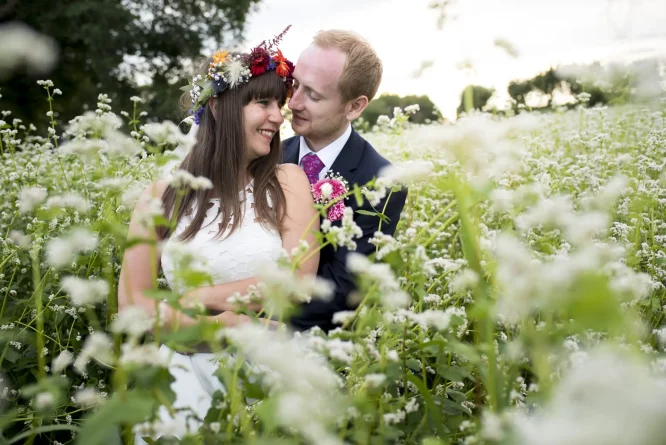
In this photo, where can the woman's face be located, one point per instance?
(261, 122)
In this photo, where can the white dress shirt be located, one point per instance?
(327, 154)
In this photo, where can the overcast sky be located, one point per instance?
(405, 34)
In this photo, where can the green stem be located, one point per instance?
(37, 282)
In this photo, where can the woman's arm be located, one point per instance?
(141, 263)
(299, 215)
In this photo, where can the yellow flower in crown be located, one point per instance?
(220, 56)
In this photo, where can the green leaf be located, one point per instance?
(414, 365)
(367, 212)
(358, 195)
(465, 351)
(453, 373)
(122, 408)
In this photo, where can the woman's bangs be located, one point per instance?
(266, 86)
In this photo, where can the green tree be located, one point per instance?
(384, 105)
(95, 36)
(474, 97)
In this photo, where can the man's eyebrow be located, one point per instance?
(307, 87)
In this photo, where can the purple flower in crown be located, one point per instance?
(197, 115)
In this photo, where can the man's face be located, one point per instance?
(316, 103)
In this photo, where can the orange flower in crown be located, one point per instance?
(230, 70)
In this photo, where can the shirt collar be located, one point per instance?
(328, 153)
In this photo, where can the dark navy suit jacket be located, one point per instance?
(358, 163)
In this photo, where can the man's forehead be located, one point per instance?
(319, 67)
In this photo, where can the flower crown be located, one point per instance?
(229, 70)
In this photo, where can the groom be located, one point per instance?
(334, 79)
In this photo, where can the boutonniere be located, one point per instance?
(331, 189)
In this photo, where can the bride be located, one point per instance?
(254, 209)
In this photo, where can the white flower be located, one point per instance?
(88, 397)
(235, 72)
(307, 388)
(19, 239)
(69, 199)
(609, 399)
(91, 123)
(381, 274)
(83, 292)
(138, 355)
(343, 317)
(62, 361)
(119, 145)
(61, 252)
(132, 320)
(383, 120)
(346, 232)
(411, 109)
(407, 172)
(97, 346)
(183, 179)
(21, 45)
(166, 133)
(132, 195)
(30, 198)
(326, 190)
(465, 280)
(87, 149)
(375, 380)
(44, 400)
(113, 183)
(281, 283)
(151, 207)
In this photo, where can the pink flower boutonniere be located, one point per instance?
(329, 189)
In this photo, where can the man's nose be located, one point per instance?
(295, 101)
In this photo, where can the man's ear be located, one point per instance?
(212, 103)
(355, 107)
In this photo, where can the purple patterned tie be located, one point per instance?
(312, 165)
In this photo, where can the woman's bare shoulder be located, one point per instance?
(292, 177)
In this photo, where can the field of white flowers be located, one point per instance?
(520, 302)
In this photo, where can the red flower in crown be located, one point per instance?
(327, 190)
(259, 61)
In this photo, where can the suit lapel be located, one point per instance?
(347, 161)
(291, 148)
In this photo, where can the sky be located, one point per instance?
(405, 35)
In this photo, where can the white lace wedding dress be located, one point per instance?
(239, 256)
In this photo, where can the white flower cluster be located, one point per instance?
(307, 390)
(278, 282)
(180, 179)
(63, 251)
(85, 291)
(235, 72)
(30, 198)
(346, 232)
(381, 274)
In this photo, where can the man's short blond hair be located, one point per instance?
(362, 72)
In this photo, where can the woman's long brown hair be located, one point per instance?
(219, 154)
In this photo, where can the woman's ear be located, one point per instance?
(212, 103)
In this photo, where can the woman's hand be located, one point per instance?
(230, 319)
